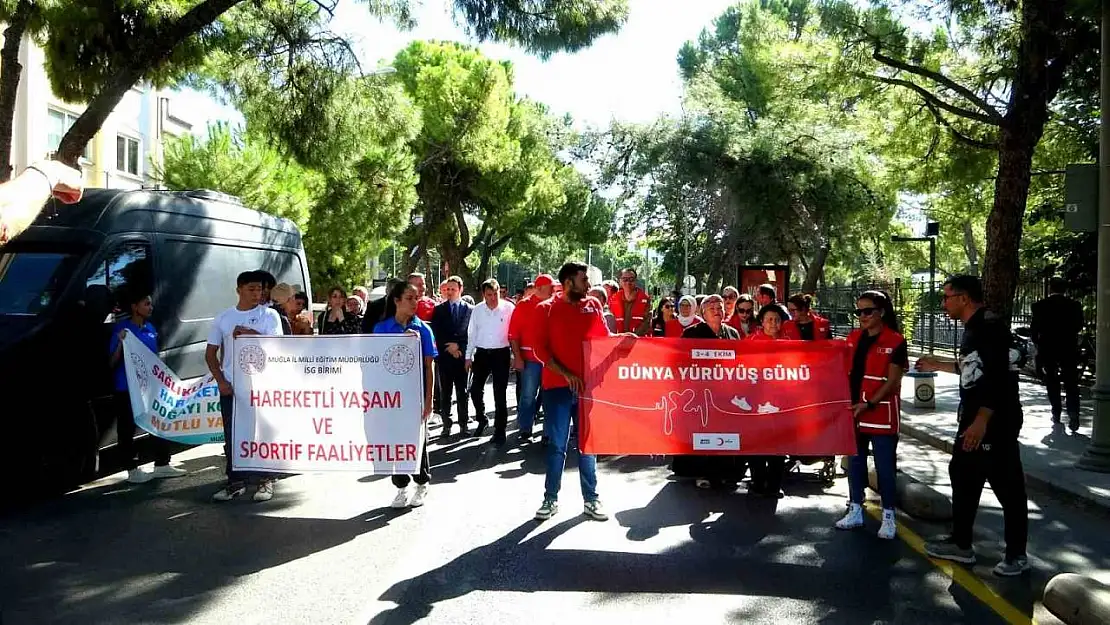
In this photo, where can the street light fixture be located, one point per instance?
(932, 231)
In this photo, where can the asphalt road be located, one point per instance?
(328, 549)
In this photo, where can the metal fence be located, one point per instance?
(924, 323)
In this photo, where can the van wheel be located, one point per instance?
(75, 459)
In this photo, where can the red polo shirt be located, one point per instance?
(568, 325)
(522, 326)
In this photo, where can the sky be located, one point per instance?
(631, 76)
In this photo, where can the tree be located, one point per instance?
(20, 17)
(98, 50)
(486, 160)
(1023, 54)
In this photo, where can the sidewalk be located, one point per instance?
(1049, 452)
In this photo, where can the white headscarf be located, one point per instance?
(686, 321)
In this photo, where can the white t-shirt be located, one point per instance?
(264, 320)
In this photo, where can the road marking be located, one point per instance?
(962, 576)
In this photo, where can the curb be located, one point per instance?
(1034, 482)
(1077, 600)
(915, 498)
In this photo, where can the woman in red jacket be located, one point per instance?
(767, 471)
(686, 318)
(803, 322)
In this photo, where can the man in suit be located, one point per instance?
(449, 325)
(1057, 322)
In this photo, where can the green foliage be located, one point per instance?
(248, 169)
(542, 26)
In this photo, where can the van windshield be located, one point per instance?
(31, 280)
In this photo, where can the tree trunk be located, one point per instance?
(455, 254)
(971, 248)
(1011, 190)
(10, 72)
(413, 255)
(149, 54)
(815, 269)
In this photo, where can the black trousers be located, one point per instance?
(495, 362)
(125, 435)
(425, 474)
(1061, 364)
(767, 472)
(452, 377)
(1000, 464)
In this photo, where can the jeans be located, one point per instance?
(529, 387)
(235, 478)
(884, 448)
(1000, 464)
(125, 435)
(559, 404)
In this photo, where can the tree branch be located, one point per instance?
(973, 142)
(990, 112)
(929, 97)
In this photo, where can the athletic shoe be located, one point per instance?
(265, 491)
(547, 510)
(168, 471)
(948, 550)
(228, 493)
(1012, 568)
(889, 529)
(418, 497)
(853, 519)
(402, 498)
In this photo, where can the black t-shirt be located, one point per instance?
(703, 331)
(988, 376)
(900, 357)
(806, 330)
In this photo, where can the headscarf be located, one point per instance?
(361, 305)
(686, 321)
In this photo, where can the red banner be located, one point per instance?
(684, 396)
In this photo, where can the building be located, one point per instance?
(121, 154)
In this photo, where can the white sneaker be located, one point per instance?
(265, 491)
(402, 498)
(168, 471)
(889, 529)
(418, 497)
(853, 519)
(228, 493)
(138, 476)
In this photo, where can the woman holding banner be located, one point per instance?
(803, 322)
(400, 317)
(139, 308)
(710, 471)
(687, 317)
(662, 317)
(767, 471)
(879, 358)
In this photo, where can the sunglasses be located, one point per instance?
(866, 312)
(668, 306)
(628, 279)
(729, 298)
(744, 311)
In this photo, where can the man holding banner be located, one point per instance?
(566, 321)
(247, 317)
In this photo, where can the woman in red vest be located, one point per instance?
(803, 322)
(662, 317)
(879, 358)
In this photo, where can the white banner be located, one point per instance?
(307, 404)
(164, 405)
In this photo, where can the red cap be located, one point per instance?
(544, 280)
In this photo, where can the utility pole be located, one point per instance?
(1097, 455)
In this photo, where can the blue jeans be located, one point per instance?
(559, 404)
(529, 392)
(884, 449)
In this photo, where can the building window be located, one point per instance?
(127, 155)
(58, 123)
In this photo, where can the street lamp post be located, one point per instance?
(932, 229)
(1097, 455)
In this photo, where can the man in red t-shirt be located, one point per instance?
(425, 306)
(522, 337)
(571, 319)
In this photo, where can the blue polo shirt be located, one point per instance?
(146, 334)
(427, 339)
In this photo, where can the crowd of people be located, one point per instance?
(537, 335)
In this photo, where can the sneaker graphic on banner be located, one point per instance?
(741, 403)
(767, 408)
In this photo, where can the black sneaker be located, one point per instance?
(1073, 423)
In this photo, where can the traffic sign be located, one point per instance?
(689, 281)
